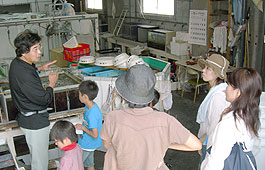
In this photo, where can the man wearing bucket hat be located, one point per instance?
(214, 72)
(137, 138)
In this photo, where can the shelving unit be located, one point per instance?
(216, 13)
(125, 44)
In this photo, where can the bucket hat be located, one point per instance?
(218, 63)
(137, 84)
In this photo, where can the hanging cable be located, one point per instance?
(8, 37)
(141, 9)
(37, 8)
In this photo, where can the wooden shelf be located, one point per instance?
(217, 0)
(217, 13)
(125, 43)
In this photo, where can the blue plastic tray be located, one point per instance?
(101, 72)
(94, 69)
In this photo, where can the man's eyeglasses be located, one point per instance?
(35, 49)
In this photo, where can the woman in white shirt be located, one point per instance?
(239, 122)
(210, 110)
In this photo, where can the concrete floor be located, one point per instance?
(185, 111)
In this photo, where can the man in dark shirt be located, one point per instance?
(30, 98)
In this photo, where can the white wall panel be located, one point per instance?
(7, 50)
(13, 2)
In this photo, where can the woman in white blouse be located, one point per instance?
(239, 122)
(210, 110)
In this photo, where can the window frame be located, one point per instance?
(157, 14)
(92, 9)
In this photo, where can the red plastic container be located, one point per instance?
(73, 54)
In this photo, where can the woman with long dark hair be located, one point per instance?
(239, 123)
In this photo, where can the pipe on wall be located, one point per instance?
(242, 39)
(263, 52)
(257, 54)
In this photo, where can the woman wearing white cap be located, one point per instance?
(214, 72)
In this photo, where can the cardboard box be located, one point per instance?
(57, 54)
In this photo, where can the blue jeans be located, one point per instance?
(203, 153)
(88, 158)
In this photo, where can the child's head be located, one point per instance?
(88, 88)
(63, 132)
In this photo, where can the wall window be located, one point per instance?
(94, 4)
(165, 7)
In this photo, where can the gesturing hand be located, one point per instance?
(45, 67)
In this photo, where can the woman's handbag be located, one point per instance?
(238, 158)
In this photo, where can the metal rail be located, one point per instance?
(56, 19)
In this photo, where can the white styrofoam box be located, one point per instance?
(180, 48)
(137, 50)
(181, 36)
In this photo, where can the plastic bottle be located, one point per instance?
(189, 52)
(74, 68)
(68, 9)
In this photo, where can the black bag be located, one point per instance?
(238, 159)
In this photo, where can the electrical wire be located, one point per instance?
(8, 37)
(141, 9)
(37, 6)
(247, 44)
(94, 36)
